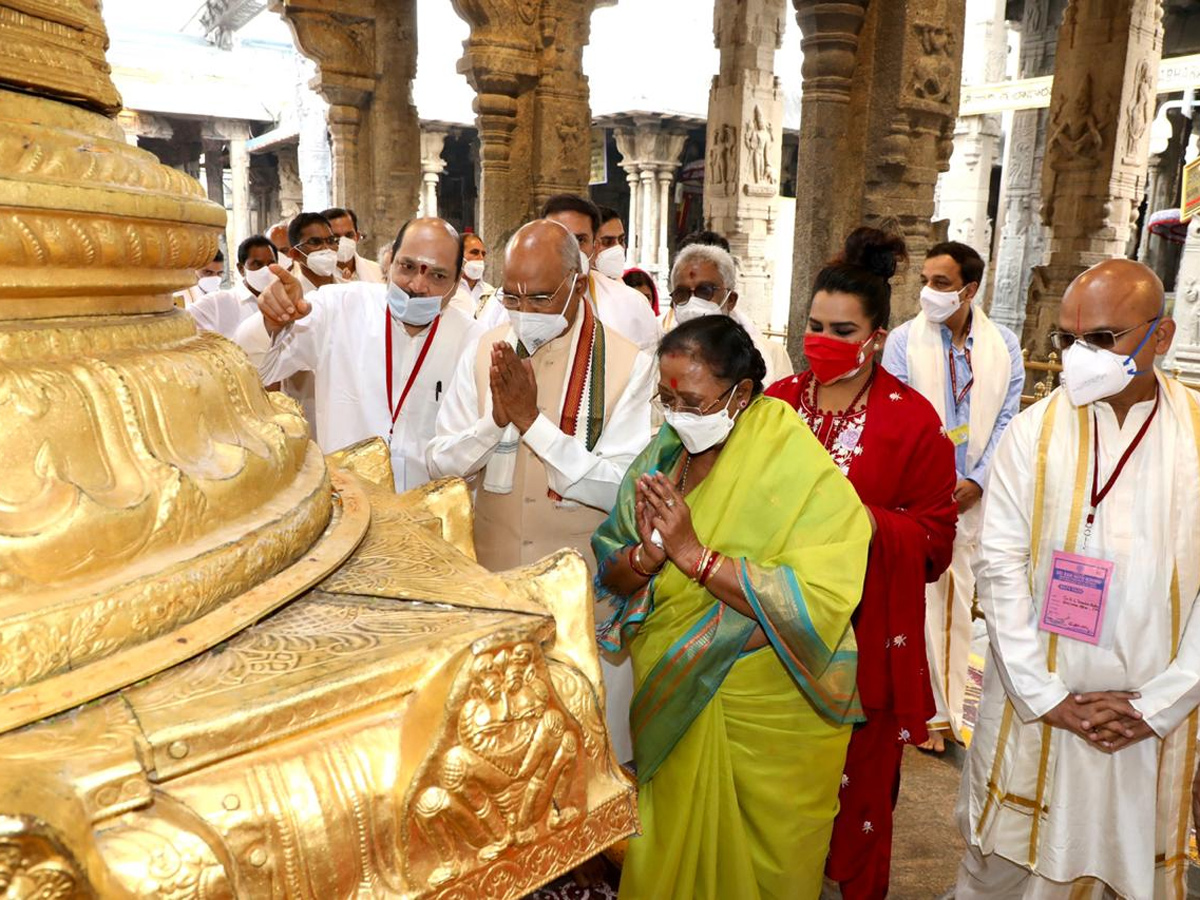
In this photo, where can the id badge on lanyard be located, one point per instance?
(1078, 585)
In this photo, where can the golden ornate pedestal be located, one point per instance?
(229, 668)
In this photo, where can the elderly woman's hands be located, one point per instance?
(668, 512)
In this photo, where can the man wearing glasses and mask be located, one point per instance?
(381, 355)
(702, 284)
(547, 411)
(1088, 574)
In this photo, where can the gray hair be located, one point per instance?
(568, 247)
(698, 253)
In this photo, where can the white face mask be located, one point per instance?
(473, 269)
(700, 433)
(1090, 374)
(697, 308)
(611, 262)
(209, 283)
(535, 330)
(347, 247)
(939, 306)
(418, 311)
(585, 264)
(258, 279)
(322, 262)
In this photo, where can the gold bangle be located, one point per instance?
(712, 573)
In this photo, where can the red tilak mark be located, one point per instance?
(674, 384)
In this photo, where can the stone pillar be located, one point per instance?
(525, 62)
(963, 190)
(1162, 192)
(312, 151)
(650, 152)
(291, 190)
(432, 166)
(633, 238)
(884, 76)
(366, 56)
(1185, 350)
(214, 169)
(745, 137)
(1022, 238)
(1105, 82)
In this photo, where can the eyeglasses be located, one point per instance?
(681, 295)
(662, 407)
(1105, 339)
(316, 243)
(537, 301)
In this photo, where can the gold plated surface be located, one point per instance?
(228, 668)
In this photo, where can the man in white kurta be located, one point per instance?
(703, 282)
(546, 480)
(342, 334)
(1079, 773)
(351, 265)
(473, 292)
(223, 311)
(971, 370)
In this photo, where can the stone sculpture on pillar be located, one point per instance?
(525, 62)
(745, 128)
(884, 76)
(432, 166)
(1097, 146)
(366, 56)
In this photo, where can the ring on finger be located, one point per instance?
(670, 504)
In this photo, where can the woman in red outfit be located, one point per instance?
(889, 442)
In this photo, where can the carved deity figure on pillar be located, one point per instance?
(1075, 138)
(760, 137)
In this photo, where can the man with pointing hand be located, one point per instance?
(381, 354)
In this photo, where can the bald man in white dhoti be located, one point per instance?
(1078, 779)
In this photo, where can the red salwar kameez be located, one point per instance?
(896, 454)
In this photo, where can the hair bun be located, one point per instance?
(876, 251)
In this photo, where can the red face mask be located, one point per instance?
(831, 359)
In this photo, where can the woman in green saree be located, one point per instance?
(732, 561)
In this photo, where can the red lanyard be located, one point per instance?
(395, 410)
(960, 396)
(1099, 493)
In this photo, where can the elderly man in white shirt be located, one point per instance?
(223, 311)
(381, 355)
(703, 282)
(351, 265)
(619, 306)
(547, 413)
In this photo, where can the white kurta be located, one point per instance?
(617, 305)
(466, 440)
(471, 300)
(366, 270)
(224, 311)
(342, 343)
(1104, 816)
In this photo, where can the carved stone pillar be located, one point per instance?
(238, 227)
(366, 56)
(963, 189)
(830, 44)
(634, 250)
(432, 166)
(1185, 350)
(888, 81)
(1022, 237)
(745, 140)
(291, 191)
(525, 62)
(214, 169)
(1105, 80)
(650, 153)
(312, 151)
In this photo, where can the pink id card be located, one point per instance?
(1075, 596)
